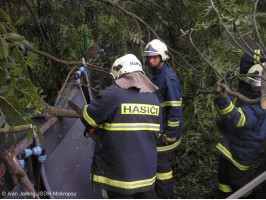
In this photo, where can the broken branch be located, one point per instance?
(14, 129)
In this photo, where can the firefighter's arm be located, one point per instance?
(174, 103)
(89, 131)
(247, 116)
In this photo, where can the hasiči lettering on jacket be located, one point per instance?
(139, 109)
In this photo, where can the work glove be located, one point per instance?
(164, 139)
(219, 93)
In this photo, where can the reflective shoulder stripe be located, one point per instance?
(229, 155)
(171, 103)
(242, 119)
(173, 124)
(225, 188)
(88, 118)
(169, 147)
(130, 126)
(257, 51)
(164, 176)
(227, 109)
(123, 184)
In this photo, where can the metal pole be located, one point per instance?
(252, 184)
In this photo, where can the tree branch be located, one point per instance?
(237, 94)
(205, 59)
(63, 61)
(37, 22)
(230, 35)
(14, 129)
(17, 173)
(59, 112)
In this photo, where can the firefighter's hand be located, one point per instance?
(219, 93)
(90, 133)
(164, 139)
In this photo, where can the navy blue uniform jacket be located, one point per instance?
(244, 132)
(170, 97)
(128, 124)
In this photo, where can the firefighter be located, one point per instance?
(127, 116)
(243, 129)
(245, 63)
(170, 98)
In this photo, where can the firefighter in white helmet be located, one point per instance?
(243, 126)
(170, 98)
(128, 117)
(254, 78)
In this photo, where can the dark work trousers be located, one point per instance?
(140, 195)
(231, 179)
(164, 187)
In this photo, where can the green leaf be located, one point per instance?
(5, 15)
(10, 111)
(15, 36)
(8, 65)
(20, 21)
(12, 86)
(3, 28)
(4, 90)
(29, 134)
(17, 71)
(40, 135)
(20, 44)
(3, 48)
(26, 42)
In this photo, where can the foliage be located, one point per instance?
(17, 92)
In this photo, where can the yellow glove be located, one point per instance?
(168, 139)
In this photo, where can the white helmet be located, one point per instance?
(125, 65)
(156, 47)
(254, 70)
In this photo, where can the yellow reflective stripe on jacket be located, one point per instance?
(123, 184)
(171, 103)
(169, 147)
(242, 119)
(257, 51)
(130, 126)
(229, 155)
(173, 124)
(88, 118)
(224, 188)
(227, 109)
(164, 176)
